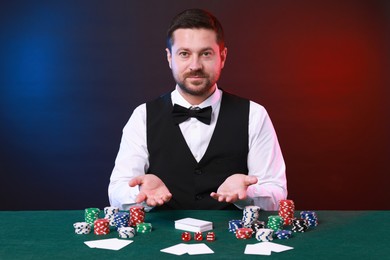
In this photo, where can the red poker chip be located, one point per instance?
(286, 211)
(137, 215)
(101, 226)
(244, 233)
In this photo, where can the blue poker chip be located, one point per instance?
(235, 224)
(310, 217)
(283, 234)
(121, 219)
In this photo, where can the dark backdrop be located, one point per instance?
(73, 71)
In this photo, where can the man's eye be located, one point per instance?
(207, 54)
(183, 54)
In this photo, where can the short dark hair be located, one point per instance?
(196, 18)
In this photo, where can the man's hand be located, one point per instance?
(234, 188)
(152, 190)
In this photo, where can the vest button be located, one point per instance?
(198, 172)
(198, 197)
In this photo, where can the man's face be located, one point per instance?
(196, 61)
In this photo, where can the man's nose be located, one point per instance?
(195, 63)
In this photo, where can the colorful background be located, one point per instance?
(71, 72)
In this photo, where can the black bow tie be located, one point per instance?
(181, 114)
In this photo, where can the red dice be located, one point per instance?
(198, 236)
(210, 236)
(186, 236)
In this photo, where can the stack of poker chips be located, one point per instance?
(257, 224)
(109, 214)
(264, 234)
(299, 225)
(244, 233)
(235, 224)
(137, 215)
(311, 218)
(82, 228)
(144, 227)
(286, 211)
(101, 226)
(275, 222)
(126, 232)
(91, 214)
(283, 234)
(250, 214)
(121, 219)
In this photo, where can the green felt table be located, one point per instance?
(50, 235)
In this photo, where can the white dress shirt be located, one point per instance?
(265, 160)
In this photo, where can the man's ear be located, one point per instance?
(169, 57)
(223, 57)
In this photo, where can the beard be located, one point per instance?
(197, 87)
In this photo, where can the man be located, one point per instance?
(174, 156)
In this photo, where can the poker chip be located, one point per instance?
(286, 211)
(109, 213)
(235, 224)
(198, 236)
(101, 226)
(137, 215)
(264, 234)
(144, 227)
(275, 222)
(121, 219)
(186, 236)
(210, 236)
(113, 217)
(82, 228)
(299, 225)
(250, 214)
(283, 234)
(126, 232)
(311, 218)
(257, 224)
(91, 214)
(244, 233)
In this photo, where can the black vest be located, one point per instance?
(171, 159)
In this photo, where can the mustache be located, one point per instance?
(196, 73)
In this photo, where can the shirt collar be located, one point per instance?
(212, 100)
